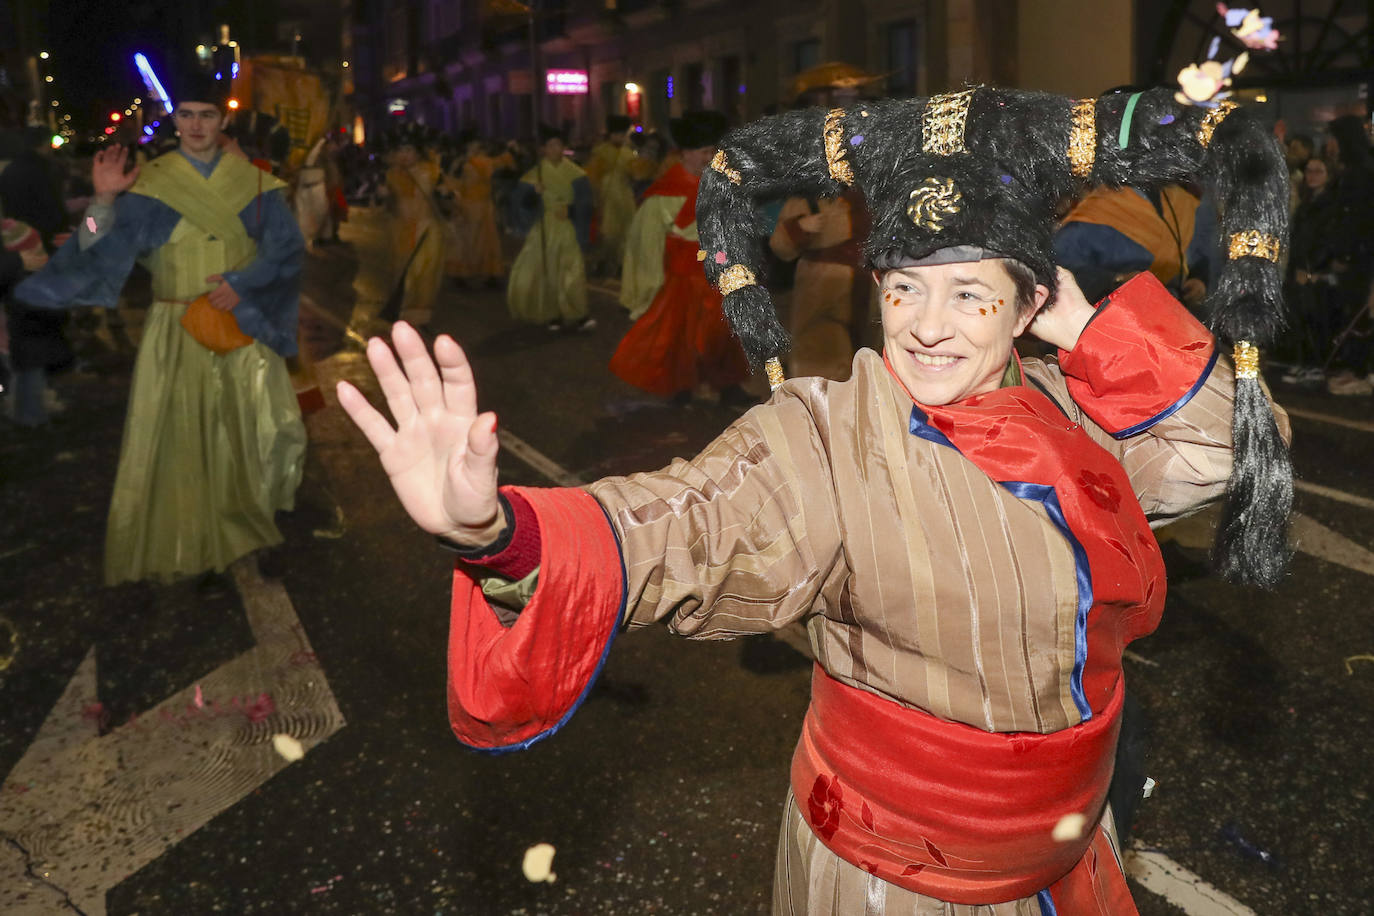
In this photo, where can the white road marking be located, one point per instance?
(1161, 875)
(1137, 657)
(1317, 489)
(538, 460)
(79, 813)
(1306, 535)
(1312, 537)
(1362, 425)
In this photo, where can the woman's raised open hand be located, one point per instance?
(441, 455)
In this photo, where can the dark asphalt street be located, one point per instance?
(663, 794)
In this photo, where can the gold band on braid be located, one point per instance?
(1212, 121)
(774, 369)
(840, 170)
(1253, 244)
(1246, 357)
(721, 164)
(942, 124)
(1083, 138)
(734, 277)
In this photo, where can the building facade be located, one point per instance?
(472, 64)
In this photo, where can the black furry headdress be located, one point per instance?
(989, 168)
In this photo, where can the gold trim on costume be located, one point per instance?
(774, 369)
(934, 200)
(943, 123)
(1246, 357)
(1083, 138)
(840, 170)
(734, 277)
(721, 164)
(1253, 244)
(1212, 121)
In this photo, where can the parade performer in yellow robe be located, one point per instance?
(548, 281)
(213, 442)
(417, 238)
(478, 255)
(609, 171)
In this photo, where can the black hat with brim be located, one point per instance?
(195, 85)
(697, 129)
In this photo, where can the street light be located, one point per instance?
(43, 55)
(47, 79)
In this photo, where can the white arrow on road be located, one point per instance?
(79, 813)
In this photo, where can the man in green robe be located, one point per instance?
(213, 442)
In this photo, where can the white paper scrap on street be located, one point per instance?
(538, 864)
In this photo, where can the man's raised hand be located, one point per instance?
(441, 455)
(107, 173)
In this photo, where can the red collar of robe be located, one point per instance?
(1021, 439)
(678, 182)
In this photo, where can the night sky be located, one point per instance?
(92, 43)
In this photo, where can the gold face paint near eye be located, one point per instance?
(985, 311)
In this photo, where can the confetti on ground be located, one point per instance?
(1149, 786)
(1070, 827)
(200, 698)
(288, 747)
(328, 885)
(538, 864)
(1349, 668)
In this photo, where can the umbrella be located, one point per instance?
(832, 75)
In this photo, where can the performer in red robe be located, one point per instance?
(683, 341)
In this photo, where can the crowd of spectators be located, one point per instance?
(1331, 260)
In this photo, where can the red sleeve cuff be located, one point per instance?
(520, 556)
(509, 687)
(1141, 358)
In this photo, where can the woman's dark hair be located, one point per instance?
(1023, 278)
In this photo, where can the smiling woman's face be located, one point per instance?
(948, 328)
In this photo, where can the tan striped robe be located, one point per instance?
(919, 578)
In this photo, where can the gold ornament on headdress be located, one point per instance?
(1246, 357)
(734, 277)
(933, 201)
(942, 125)
(774, 369)
(720, 164)
(1253, 244)
(840, 169)
(1083, 138)
(1212, 121)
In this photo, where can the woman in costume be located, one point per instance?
(548, 281)
(681, 341)
(966, 534)
(417, 238)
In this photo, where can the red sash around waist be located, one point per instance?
(945, 809)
